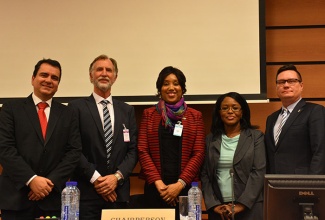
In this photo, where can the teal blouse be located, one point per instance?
(227, 151)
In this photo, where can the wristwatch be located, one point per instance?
(120, 180)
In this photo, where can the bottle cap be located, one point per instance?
(195, 184)
(71, 183)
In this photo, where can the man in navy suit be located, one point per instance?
(299, 147)
(37, 164)
(103, 174)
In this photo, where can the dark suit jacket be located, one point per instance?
(301, 145)
(192, 146)
(249, 165)
(124, 154)
(24, 153)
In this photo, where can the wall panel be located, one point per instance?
(286, 45)
(295, 12)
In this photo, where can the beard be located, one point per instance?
(104, 87)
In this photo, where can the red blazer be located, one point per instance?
(192, 145)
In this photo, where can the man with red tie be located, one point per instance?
(39, 148)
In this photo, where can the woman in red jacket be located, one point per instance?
(170, 144)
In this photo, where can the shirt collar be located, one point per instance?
(38, 100)
(292, 106)
(98, 98)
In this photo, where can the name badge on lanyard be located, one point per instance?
(126, 134)
(178, 129)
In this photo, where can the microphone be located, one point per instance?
(231, 172)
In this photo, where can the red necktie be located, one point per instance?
(42, 117)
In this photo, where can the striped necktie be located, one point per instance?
(108, 132)
(42, 117)
(285, 115)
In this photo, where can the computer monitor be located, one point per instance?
(294, 197)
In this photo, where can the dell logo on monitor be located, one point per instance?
(306, 193)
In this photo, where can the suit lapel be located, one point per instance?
(52, 121)
(117, 120)
(215, 151)
(186, 125)
(273, 120)
(92, 106)
(242, 145)
(31, 112)
(292, 117)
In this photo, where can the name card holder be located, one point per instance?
(138, 214)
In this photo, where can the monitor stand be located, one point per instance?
(307, 211)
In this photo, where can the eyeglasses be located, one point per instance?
(226, 109)
(281, 82)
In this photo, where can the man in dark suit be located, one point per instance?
(37, 160)
(103, 172)
(295, 141)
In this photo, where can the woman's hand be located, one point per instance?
(170, 195)
(238, 207)
(160, 185)
(223, 211)
(170, 192)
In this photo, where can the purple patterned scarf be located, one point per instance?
(171, 113)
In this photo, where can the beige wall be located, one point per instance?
(291, 36)
(143, 36)
(295, 33)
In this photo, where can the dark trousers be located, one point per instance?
(153, 200)
(92, 208)
(28, 214)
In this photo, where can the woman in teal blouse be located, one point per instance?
(233, 148)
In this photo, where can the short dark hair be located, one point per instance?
(217, 126)
(288, 67)
(51, 62)
(104, 57)
(167, 71)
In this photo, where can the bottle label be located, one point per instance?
(197, 212)
(66, 213)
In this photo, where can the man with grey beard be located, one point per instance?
(109, 143)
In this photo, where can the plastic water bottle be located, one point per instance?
(70, 202)
(194, 202)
